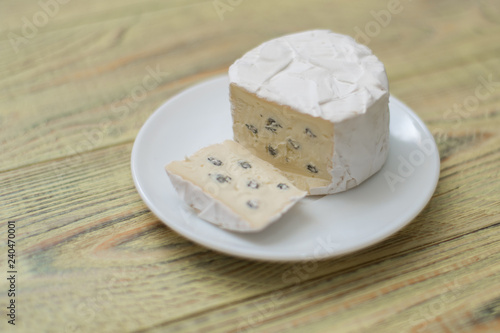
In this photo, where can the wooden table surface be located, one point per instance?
(91, 257)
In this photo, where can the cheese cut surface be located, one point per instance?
(229, 186)
(315, 105)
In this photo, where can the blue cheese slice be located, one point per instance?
(229, 186)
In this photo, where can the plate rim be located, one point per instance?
(229, 250)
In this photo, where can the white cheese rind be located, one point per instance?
(328, 76)
(361, 147)
(207, 207)
(316, 72)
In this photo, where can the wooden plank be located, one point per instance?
(93, 258)
(62, 14)
(94, 68)
(424, 291)
(84, 231)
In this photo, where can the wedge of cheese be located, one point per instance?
(315, 105)
(229, 186)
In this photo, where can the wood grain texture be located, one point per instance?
(92, 257)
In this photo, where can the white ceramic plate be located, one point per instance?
(316, 228)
